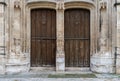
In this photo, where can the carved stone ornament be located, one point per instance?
(103, 4)
(17, 4)
(60, 5)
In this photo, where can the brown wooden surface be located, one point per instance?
(43, 37)
(77, 38)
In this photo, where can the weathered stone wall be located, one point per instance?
(17, 58)
(15, 34)
(103, 61)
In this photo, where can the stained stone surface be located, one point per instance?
(44, 77)
(118, 40)
(15, 27)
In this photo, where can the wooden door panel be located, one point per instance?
(77, 38)
(43, 37)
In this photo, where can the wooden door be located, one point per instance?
(77, 38)
(43, 37)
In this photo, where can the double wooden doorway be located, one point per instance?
(76, 36)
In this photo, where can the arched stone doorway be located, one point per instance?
(60, 53)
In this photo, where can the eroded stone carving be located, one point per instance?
(16, 47)
(104, 28)
(17, 4)
(60, 5)
(103, 4)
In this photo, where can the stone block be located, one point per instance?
(14, 68)
(2, 68)
(118, 65)
(102, 64)
(60, 64)
(118, 69)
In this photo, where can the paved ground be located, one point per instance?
(53, 76)
(58, 79)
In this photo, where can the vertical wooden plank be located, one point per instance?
(44, 36)
(67, 56)
(40, 45)
(32, 40)
(48, 35)
(32, 31)
(88, 41)
(37, 41)
(65, 43)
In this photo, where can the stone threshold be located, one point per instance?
(67, 69)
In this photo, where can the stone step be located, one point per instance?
(65, 76)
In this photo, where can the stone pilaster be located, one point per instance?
(2, 39)
(16, 59)
(103, 60)
(60, 57)
(118, 39)
(2, 29)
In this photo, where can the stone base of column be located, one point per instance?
(118, 64)
(2, 64)
(60, 62)
(17, 64)
(103, 62)
(17, 68)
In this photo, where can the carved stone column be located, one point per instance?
(118, 38)
(60, 56)
(2, 30)
(103, 61)
(16, 61)
(2, 38)
(15, 33)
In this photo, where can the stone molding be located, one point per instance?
(75, 4)
(81, 1)
(49, 5)
(37, 1)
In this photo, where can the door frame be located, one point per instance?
(29, 7)
(67, 5)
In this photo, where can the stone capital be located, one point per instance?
(103, 4)
(60, 5)
(17, 4)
